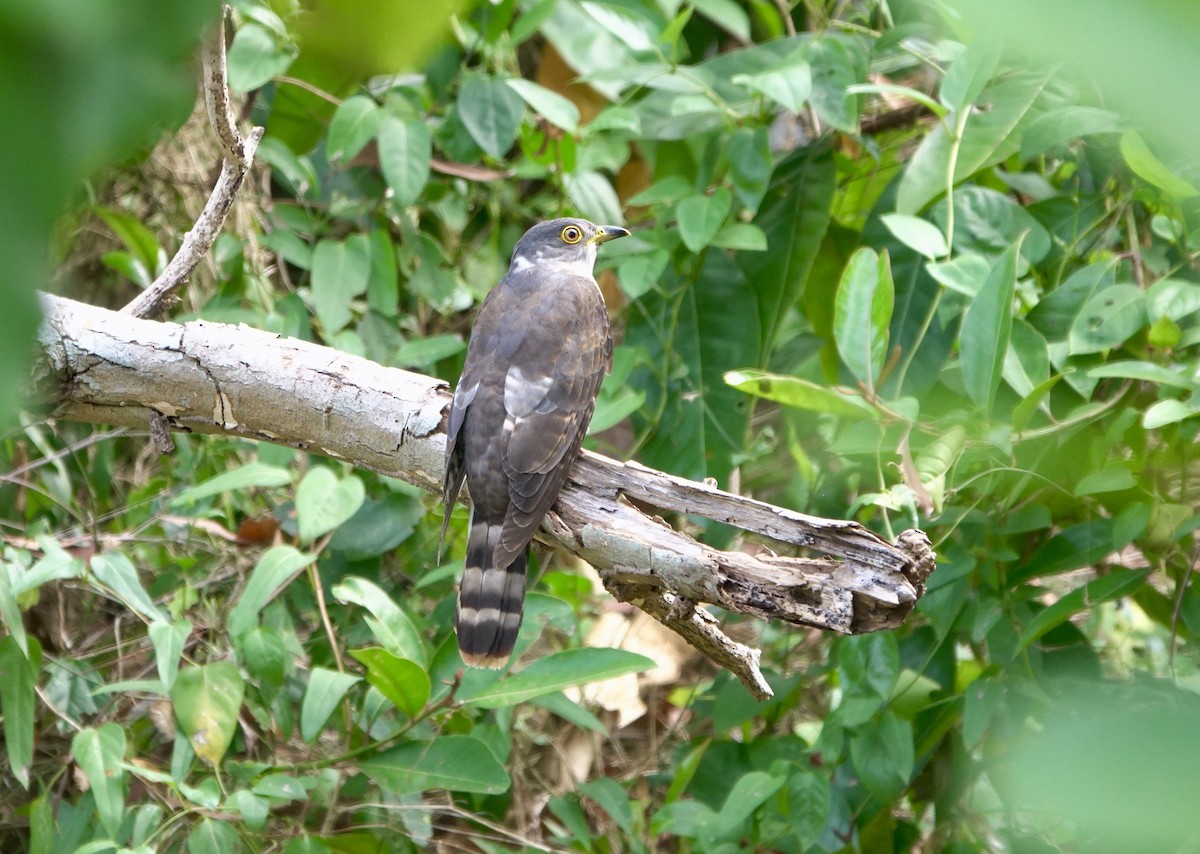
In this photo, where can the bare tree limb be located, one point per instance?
(237, 157)
(108, 368)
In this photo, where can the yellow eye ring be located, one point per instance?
(571, 234)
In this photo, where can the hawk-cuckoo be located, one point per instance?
(538, 352)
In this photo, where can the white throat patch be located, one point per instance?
(584, 266)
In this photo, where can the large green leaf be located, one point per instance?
(704, 326)
(404, 682)
(249, 476)
(1098, 590)
(325, 690)
(114, 571)
(18, 677)
(794, 215)
(862, 314)
(389, 623)
(405, 149)
(986, 328)
(457, 763)
(353, 126)
(492, 111)
(324, 501)
(207, 700)
(555, 672)
(100, 754)
(341, 270)
(882, 753)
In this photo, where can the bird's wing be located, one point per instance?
(550, 385)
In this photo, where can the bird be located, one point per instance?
(538, 352)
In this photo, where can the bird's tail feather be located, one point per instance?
(491, 600)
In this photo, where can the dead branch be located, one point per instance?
(237, 157)
(109, 368)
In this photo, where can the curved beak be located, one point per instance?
(605, 233)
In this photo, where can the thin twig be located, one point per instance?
(238, 154)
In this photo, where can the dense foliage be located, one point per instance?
(881, 270)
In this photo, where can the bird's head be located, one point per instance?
(568, 244)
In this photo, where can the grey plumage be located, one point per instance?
(538, 352)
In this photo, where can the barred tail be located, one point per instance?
(491, 601)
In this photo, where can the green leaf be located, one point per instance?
(800, 393)
(882, 754)
(1108, 319)
(207, 700)
(1064, 124)
(18, 677)
(254, 58)
(214, 836)
(747, 795)
(794, 215)
(701, 217)
(727, 15)
(391, 625)
(986, 327)
(862, 314)
(323, 501)
(917, 234)
(970, 73)
(114, 571)
(352, 127)
(428, 351)
(326, 688)
(1149, 168)
(168, 640)
(1081, 544)
(570, 711)
(1174, 299)
(340, 272)
(249, 476)
(281, 787)
(1166, 412)
(870, 662)
(743, 236)
(262, 652)
(552, 106)
(608, 794)
(457, 763)
(274, 571)
(253, 809)
(1111, 478)
(100, 754)
(491, 111)
(982, 699)
(139, 240)
(1098, 590)
(837, 63)
(594, 196)
(405, 152)
(555, 672)
(808, 795)
(405, 683)
(639, 273)
(10, 610)
(788, 84)
(750, 165)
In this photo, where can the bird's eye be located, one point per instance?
(571, 234)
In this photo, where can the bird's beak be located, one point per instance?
(605, 233)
